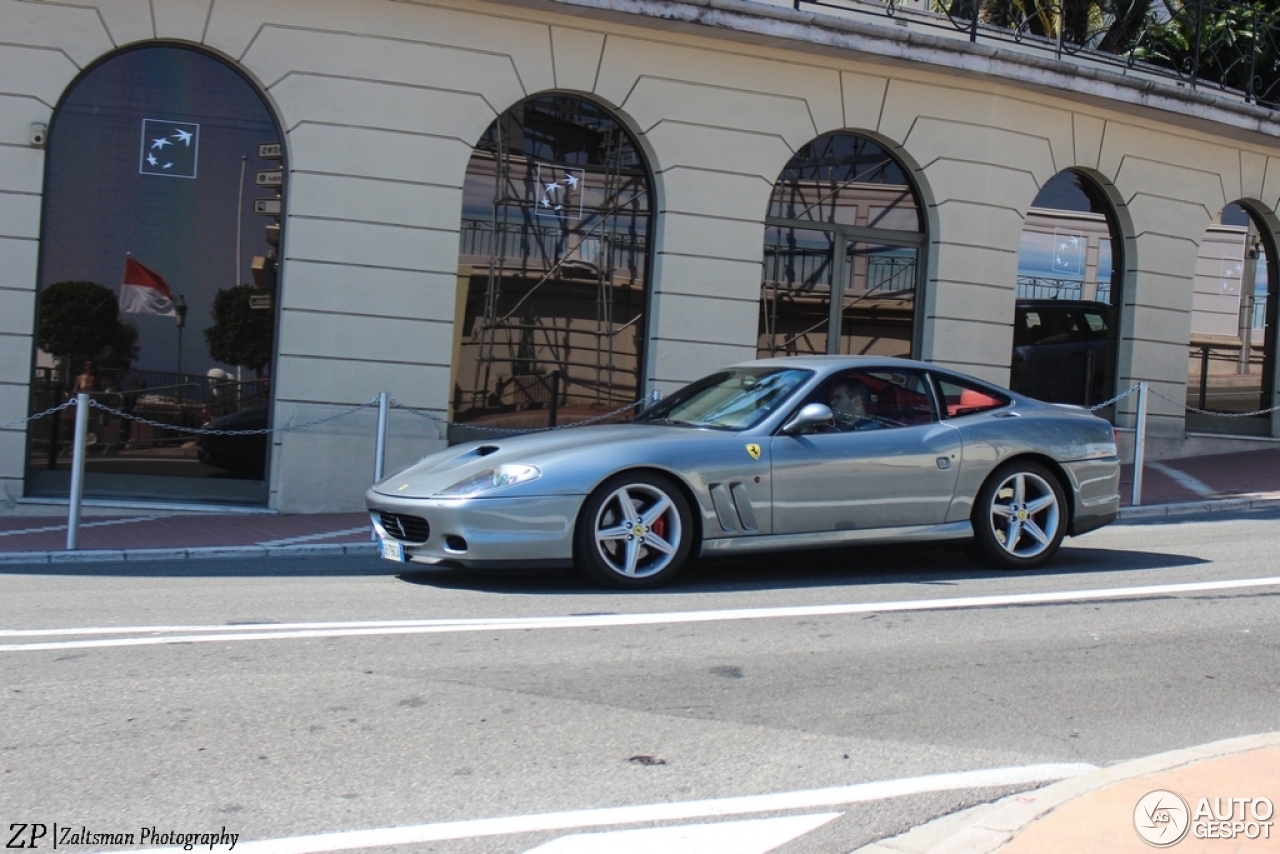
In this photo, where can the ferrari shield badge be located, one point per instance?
(754, 451)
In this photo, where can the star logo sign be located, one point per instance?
(169, 148)
(559, 191)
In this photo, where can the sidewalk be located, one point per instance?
(37, 533)
(1117, 809)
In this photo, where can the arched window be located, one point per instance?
(156, 279)
(1233, 326)
(1069, 271)
(842, 253)
(553, 267)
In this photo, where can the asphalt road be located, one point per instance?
(282, 698)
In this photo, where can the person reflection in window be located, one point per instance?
(848, 402)
(87, 380)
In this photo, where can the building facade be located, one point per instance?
(493, 210)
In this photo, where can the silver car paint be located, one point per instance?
(734, 494)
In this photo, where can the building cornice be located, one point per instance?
(895, 40)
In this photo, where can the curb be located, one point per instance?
(986, 828)
(1146, 511)
(209, 552)
(1207, 505)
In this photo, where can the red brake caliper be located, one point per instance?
(659, 527)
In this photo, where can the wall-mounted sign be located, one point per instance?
(169, 148)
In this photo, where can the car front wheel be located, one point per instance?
(635, 531)
(1020, 517)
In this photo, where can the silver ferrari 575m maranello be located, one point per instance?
(783, 453)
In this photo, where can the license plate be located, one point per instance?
(391, 550)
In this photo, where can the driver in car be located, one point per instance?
(848, 402)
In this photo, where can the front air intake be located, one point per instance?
(408, 529)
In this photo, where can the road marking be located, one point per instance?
(102, 523)
(754, 836)
(307, 538)
(679, 811)
(157, 635)
(1195, 484)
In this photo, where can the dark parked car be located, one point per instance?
(1063, 350)
(243, 457)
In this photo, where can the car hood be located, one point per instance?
(571, 460)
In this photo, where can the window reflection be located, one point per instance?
(841, 197)
(553, 267)
(152, 161)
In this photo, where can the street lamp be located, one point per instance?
(180, 317)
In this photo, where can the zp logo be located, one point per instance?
(1161, 818)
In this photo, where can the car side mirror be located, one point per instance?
(810, 415)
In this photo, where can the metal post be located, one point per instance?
(1204, 375)
(554, 404)
(976, 7)
(1139, 444)
(1195, 69)
(380, 446)
(77, 470)
(380, 449)
(55, 430)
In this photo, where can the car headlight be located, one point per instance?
(497, 477)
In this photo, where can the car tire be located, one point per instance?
(1019, 517)
(635, 531)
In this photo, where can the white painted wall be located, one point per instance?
(382, 101)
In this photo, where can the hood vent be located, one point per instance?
(486, 450)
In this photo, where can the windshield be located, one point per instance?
(735, 399)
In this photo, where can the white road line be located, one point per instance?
(99, 524)
(753, 836)
(1195, 484)
(286, 631)
(680, 811)
(307, 538)
(156, 635)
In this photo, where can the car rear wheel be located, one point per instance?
(635, 531)
(1020, 517)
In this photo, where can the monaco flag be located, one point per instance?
(144, 291)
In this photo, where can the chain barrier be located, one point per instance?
(395, 404)
(38, 415)
(1116, 399)
(1189, 408)
(204, 431)
(441, 422)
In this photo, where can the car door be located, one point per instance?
(898, 474)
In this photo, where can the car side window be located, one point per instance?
(875, 400)
(961, 398)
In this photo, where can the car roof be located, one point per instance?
(828, 362)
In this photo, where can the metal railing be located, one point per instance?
(1230, 46)
(84, 403)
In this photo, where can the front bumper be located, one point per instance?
(481, 533)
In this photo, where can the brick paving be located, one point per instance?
(142, 530)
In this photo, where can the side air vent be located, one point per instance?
(408, 529)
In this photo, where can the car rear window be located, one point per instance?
(961, 398)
